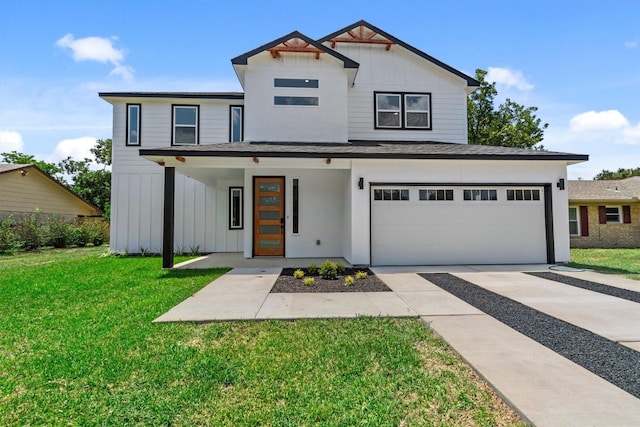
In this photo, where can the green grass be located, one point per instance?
(77, 347)
(609, 261)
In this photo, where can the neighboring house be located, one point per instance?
(353, 145)
(25, 188)
(605, 213)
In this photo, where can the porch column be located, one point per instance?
(168, 221)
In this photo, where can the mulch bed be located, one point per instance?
(286, 283)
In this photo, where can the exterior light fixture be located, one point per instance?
(361, 183)
(560, 184)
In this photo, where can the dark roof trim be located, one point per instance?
(470, 80)
(242, 59)
(361, 155)
(193, 95)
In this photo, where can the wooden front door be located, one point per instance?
(268, 216)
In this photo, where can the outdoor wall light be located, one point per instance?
(561, 184)
(361, 183)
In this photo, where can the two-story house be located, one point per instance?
(353, 145)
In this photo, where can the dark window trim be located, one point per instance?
(402, 110)
(173, 110)
(231, 107)
(278, 98)
(139, 126)
(241, 216)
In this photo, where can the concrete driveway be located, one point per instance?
(546, 388)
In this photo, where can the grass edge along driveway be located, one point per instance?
(77, 347)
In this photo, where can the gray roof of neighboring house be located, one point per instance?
(10, 167)
(614, 189)
(363, 149)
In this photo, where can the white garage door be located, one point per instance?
(432, 225)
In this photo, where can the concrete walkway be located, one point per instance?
(544, 387)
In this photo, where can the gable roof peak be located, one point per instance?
(390, 39)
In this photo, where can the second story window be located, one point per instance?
(133, 124)
(402, 111)
(185, 125)
(236, 123)
(310, 83)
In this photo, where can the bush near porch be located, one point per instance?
(77, 347)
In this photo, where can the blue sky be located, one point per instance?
(578, 61)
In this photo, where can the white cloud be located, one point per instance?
(97, 49)
(508, 78)
(598, 121)
(77, 149)
(631, 44)
(10, 141)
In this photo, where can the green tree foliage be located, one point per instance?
(92, 185)
(621, 173)
(510, 125)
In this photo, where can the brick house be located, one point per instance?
(604, 214)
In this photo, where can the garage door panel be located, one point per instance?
(418, 232)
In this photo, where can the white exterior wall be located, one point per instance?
(454, 171)
(201, 216)
(398, 70)
(265, 121)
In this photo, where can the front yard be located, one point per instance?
(611, 261)
(77, 347)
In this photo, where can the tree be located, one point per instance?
(621, 173)
(510, 125)
(92, 185)
(17, 158)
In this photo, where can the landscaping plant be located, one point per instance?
(298, 274)
(349, 281)
(308, 281)
(328, 270)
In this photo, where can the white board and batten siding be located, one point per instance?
(398, 70)
(201, 218)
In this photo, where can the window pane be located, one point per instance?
(386, 194)
(185, 135)
(133, 124)
(269, 244)
(527, 194)
(377, 194)
(395, 194)
(573, 227)
(236, 208)
(269, 201)
(467, 194)
(312, 83)
(422, 194)
(573, 214)
(510, 195)
(185, 116)
(419, 120)
(536, 194)
(269, 215)
(449, 194)
(269, 229)
(388, 102)
(389, 119)
(295, 100)
(295, 220)
(404, 194)
(484, 194)
(236, 124)
(493, 195)
(519, 195)
(270, 187)
(440, 195)
(416, 102)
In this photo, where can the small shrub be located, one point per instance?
(59, 232)
(8, 241)
(79, 236)
(312, 269)
(328, 270)
(349, 281)
(97, 231)
(361, 275)
(340, 268)
(309, 281)
(28, 233)
(144, 252)
(298, 274)
(194, 250)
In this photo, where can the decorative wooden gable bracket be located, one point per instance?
(362, 35)
(294, 45)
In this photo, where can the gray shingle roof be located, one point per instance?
(362, 149)
(615, 189)
(10, 167)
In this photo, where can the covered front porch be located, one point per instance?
(268, 207)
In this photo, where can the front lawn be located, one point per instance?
(610, 261)
(77, 347)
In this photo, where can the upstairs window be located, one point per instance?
(236, 124)
(185, 125)
(310, 83)
(403, 111)
(296, 100)
(133, 124)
